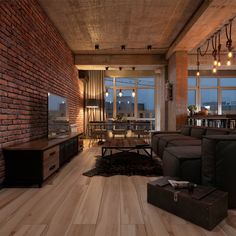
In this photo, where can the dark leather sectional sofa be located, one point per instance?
(201, 155)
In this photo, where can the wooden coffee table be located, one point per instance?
(127, 145)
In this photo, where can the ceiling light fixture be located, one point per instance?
(229, 42)
(106, 93)
(107, 67)
(199, 52)
(228, 62)
(219, 48)
(198, 63)
(214, 70)
(133, 93)
(216, 53)
(120, 93)
(120, 68)
(214, 47)
(96, 46)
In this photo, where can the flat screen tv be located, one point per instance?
(58, 119)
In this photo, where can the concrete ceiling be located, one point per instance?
(167, 25)
(112, 23)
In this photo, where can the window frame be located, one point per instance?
(136, 87)
(218, 87)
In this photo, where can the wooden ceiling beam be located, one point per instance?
(211, 16)
(188, 27)
(120, 60)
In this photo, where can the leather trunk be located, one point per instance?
(205, 206)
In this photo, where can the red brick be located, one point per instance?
(31, 65)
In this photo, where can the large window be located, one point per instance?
(109, 103)
(146, 108)
(191, 97)
(209, 100)
(132, 98)
(228, 101)
(218, 95)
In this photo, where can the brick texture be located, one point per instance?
(34, 60)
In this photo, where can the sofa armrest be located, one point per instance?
(219, 164)
(166, 132)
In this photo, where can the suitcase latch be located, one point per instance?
(176, 194)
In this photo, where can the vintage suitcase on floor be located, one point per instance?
(205, 206)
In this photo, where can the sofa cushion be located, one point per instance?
(163, 142)
(186, 130)
(185, 152)
(197, 132)
(191, 142)
(156, 137)
(212, 131)
(183, 162)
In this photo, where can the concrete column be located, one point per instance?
(177, 75)
(160, 99)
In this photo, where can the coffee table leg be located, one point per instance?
(103, 151)
(146, 151)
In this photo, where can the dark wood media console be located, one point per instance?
(33, 162)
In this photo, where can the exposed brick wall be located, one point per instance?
(34, 60)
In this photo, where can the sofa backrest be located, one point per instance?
(198, 132)
(186, 130)
(215, 131)
(233, 131)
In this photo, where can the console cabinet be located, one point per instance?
(33, 162)
(68, 149)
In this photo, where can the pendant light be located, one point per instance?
(120, 93)
(133, 93)
(106, 94)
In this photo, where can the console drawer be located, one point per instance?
(50, 161)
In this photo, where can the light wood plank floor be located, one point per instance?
(72, 204)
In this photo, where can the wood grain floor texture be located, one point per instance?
(72, 204)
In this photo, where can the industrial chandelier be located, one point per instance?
(216, 49)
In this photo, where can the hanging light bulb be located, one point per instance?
(219, 49)
(228, 62)
(106, 94)
(120, 93)
(229, 39)
(214, 70)
(230, 54)
(198, 63)
(215, 63)
(133, 93)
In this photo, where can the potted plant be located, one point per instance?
(192, 109)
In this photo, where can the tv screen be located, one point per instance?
(58, 120)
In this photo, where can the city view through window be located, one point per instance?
(218, 95)
(130, 98)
